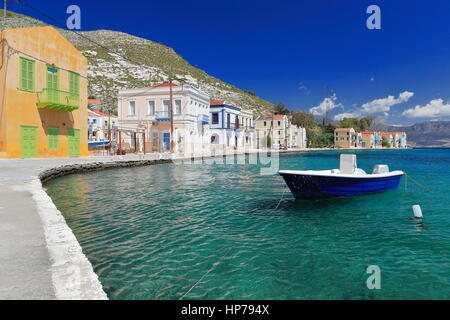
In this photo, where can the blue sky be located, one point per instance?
(299, 52)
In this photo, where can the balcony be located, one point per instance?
(203, 119)
(162, 116)
(57, 100)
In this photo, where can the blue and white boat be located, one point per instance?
(348, 180)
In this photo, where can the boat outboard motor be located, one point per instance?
(380, 168)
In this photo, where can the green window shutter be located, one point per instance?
(26, 74)
(31, 75)
(53, 138)
(74, 84)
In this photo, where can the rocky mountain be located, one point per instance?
(118, 60)
(431, 134)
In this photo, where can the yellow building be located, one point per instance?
(43, 95)
(344, 138)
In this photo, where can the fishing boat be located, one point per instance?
(348, 180)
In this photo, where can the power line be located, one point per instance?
(76, 32)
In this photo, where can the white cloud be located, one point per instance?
(327, 104)
(341, 116)
(385, 104)
(434, 108)
(377, 106)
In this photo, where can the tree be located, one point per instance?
(385, 143)
(303, 119)
(280, 108)
(269, 142)
(362, 124)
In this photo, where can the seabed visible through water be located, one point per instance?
(211, 231)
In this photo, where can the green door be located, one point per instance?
(52, 84)
(74, 142)
(28, 142)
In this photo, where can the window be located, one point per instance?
(177, 106)
(214, 139)
(74, 84)
(106, 123)
(265, 123)
(53, 84)
(151, 108)
(215, 118)
(26, 74)
(53, 137)
(166, 105)
(131, 108)
(279, 123)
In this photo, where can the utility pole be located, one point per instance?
(171, 116)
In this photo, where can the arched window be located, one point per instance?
(214, 139)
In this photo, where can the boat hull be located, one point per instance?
(305, 186)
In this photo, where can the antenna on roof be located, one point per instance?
(328, 91)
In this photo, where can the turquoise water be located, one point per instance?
(152, 232)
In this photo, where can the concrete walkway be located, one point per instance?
(40, 257)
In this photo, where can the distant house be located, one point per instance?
(225, 126)
(399, 140)
(44, 93)
(297, 137)
(272, 131)
(100, 125)
(371, 139)
(94, 104)
(280, 132)
(147, 110)
(248, 127)
(345, 138)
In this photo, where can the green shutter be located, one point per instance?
(53, 138)
(74, 84)
(26, 74)
(53, 84)
(74, 142)
(28, 142)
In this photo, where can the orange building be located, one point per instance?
(43, 95)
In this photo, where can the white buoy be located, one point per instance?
(417, 211)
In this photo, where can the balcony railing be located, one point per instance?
(57, 100)
(162, 115)
(203, 119)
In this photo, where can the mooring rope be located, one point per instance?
(215, 264)
(416, 182)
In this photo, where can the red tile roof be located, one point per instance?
(216, 103)
(92, 114)
(94, 101)
(269, 116)
(102, 114)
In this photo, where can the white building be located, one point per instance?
(148, 109)
(277, 132)
(248, 130)
(226, 127)
(99, 125)
(297, 137)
